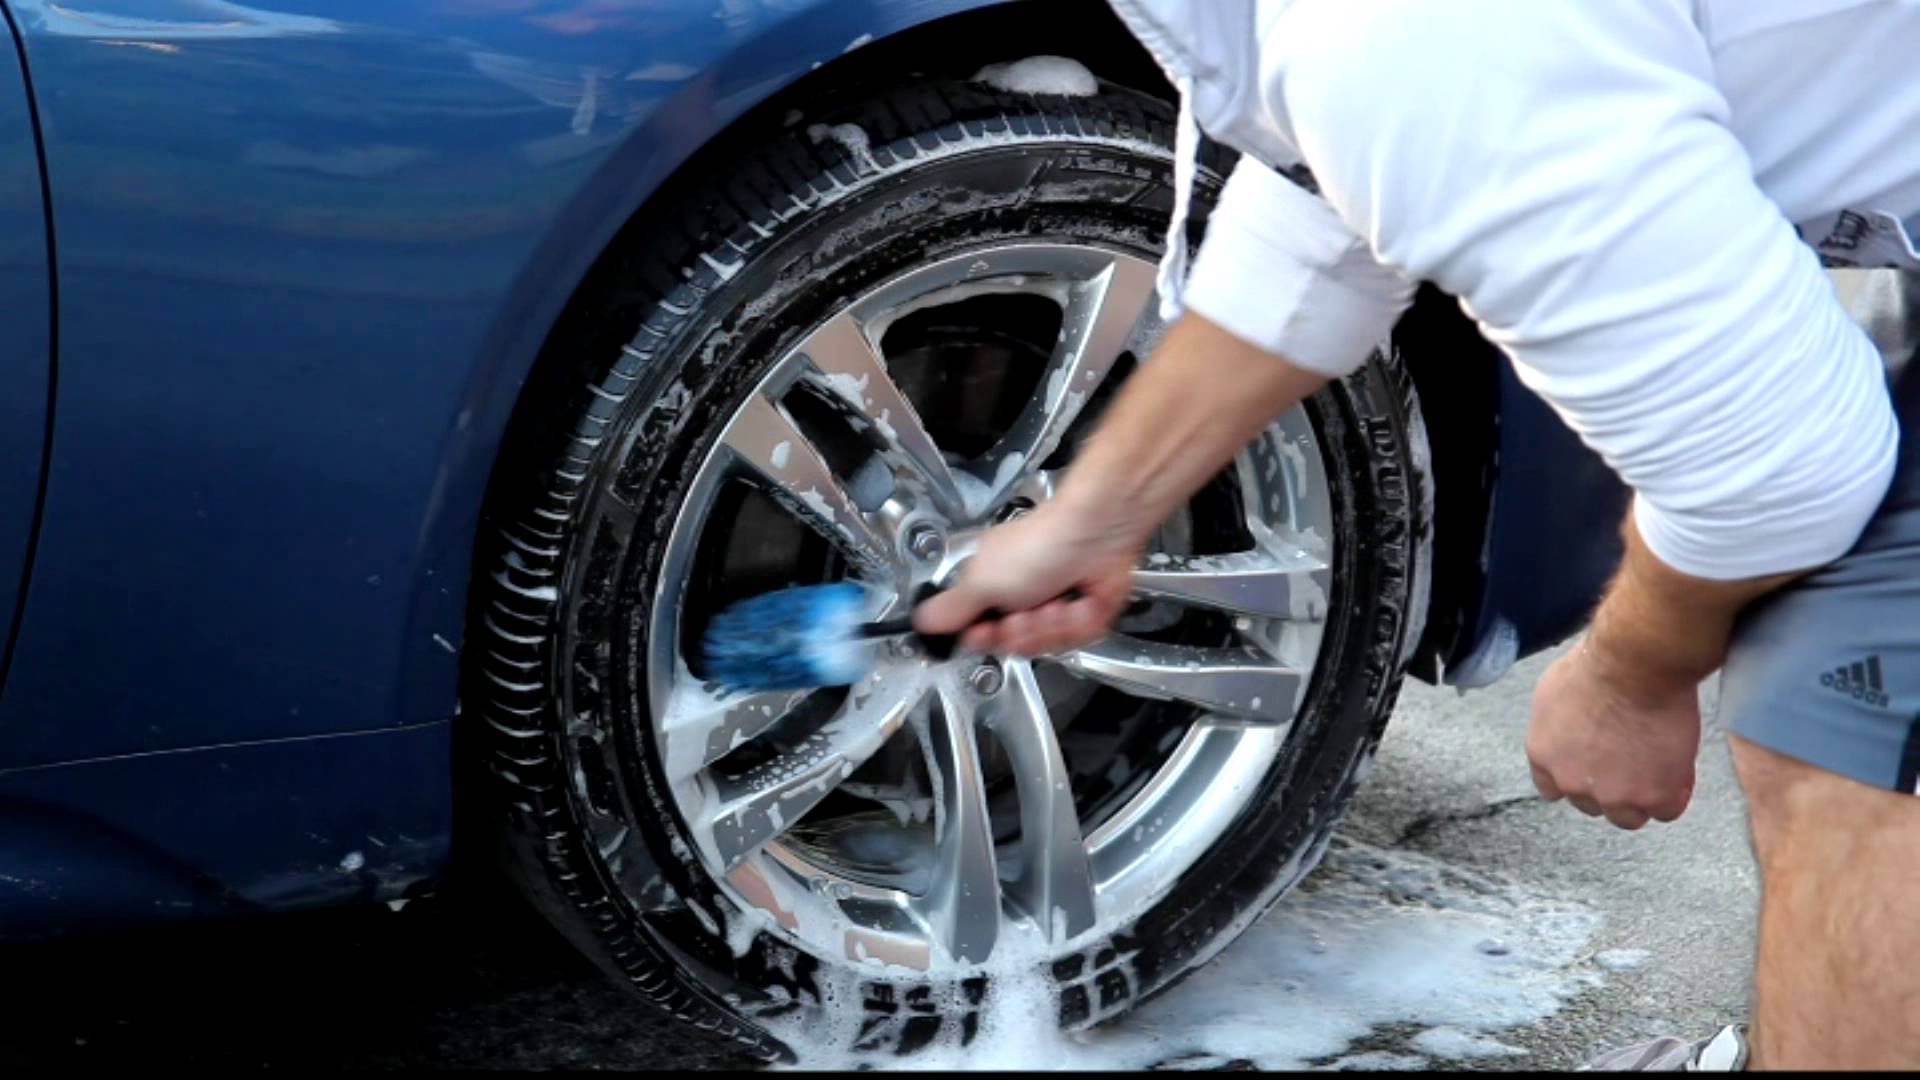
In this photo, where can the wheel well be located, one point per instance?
(953, 46)
(1456, 374)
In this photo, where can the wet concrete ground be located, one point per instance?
(473, 979)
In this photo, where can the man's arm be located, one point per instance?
(1616, 721)
(1283, 296)
(1198, 401)
(1201, 397)
(1659, 632)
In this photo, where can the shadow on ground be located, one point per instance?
(472, 979)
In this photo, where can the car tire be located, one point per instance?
(673, 329)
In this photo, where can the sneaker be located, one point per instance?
(1724, 1052)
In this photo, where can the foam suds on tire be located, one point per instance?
(1383, 958)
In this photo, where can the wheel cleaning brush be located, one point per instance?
(795, 639)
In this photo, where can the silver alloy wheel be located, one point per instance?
(941, 890)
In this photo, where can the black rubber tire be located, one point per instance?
(675, 326)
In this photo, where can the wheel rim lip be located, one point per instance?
(1137, 854)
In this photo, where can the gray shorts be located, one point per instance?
(1828, 670)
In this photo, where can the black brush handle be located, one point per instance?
(938, 646)
(894, 627)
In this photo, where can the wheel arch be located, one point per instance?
(635, 190)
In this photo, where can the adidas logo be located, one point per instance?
(1859, 680)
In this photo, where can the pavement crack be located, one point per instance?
(1426, 823)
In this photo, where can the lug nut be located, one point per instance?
(985, 679)
(925, 543)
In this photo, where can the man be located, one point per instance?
(1627, 196)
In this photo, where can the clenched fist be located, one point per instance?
(1611, 745)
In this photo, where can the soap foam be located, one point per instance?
(1376, 940)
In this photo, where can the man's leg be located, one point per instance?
(1821, 689)
(1822, 692)
(1838, 979)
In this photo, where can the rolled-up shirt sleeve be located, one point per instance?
(1567, 171)
(1280, 270)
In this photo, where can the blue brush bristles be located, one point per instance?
(791, 640)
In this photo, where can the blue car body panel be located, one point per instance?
(223, 831)
(308, 251)
(306, 254)
(26, 333)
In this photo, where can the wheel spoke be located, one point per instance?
(704, 731)
(1099, 320)
(963, 906)
(765, 439)
(770, 798)
(1055, 883)
(1247, 583)
(1240, 682)
(853, 372)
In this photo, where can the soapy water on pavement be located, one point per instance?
(1382, 959)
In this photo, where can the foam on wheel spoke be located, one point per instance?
(1101, 314)
(766, 441)
(700, 730)
(1257, 583)
(849, 367)
(1239, 682)
(963, 907)
(770, 798)
(1054, 884)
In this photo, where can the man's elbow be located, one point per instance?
(1782, 524)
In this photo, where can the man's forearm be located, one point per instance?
(1659, 631)
(1202, 396)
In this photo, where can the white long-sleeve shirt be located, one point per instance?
(1611, 188)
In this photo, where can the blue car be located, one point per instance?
(390, 390)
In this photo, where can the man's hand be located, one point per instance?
(1609, 751)
(1616, 722)
(1024, 568)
